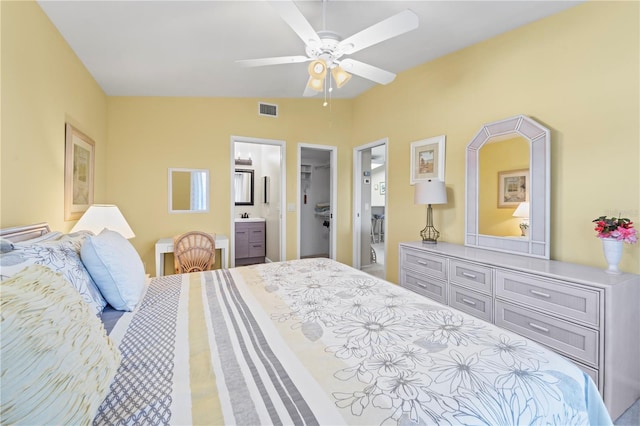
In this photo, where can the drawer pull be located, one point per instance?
(539, 327)
(539, 293)
(469, 302)
(422, 262)
(421, 284)
(468, 275)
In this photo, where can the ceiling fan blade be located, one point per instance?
(393, 26)
(367, 71)
(272, 61)
(308, 91)
(298, 23)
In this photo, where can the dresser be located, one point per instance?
(583, 313)
(250, 242)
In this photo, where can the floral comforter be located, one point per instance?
(317, 342)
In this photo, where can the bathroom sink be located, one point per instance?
(250, 219)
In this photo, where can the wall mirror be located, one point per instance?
(188, 190)
(508, 163)
(243, 187)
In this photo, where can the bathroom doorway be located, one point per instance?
(317, 179)
(369, 206)
(257, 188)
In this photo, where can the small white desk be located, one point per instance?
(165, 245)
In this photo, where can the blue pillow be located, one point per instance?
(116, 268)
(5, 245)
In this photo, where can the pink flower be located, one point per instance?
(628, 235)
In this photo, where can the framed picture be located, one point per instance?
(513, 188)
(427, 159)
(383, 188)
(79, 163)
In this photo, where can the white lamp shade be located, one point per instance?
(432, 191)
(522, 210)
(340, 76)
(101, 216)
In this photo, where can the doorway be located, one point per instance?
(369, 206)
(264, 160)
(317, 197)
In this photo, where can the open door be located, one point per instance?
(263, 195)
(317, 177)
(369, 206)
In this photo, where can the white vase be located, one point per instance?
(612, 253)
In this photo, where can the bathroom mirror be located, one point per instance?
(507, 163)
(188, 190)
(243, 187)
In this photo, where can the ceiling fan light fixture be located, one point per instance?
(318, 69)
(340, 76)
(316, 84)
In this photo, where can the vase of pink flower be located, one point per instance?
(614, 232)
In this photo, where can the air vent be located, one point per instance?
(269, 110)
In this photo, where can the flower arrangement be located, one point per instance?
(619, 228)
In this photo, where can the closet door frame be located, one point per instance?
(333, 173)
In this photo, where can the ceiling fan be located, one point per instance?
(325, 49)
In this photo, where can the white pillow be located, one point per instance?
(116, 268)
(57, 361)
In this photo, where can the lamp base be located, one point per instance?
(429, 234)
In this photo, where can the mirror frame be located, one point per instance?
(206, 192)
(251, 202)
(538, 243)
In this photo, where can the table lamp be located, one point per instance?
(432, 191)
(101, 216)
(523, 211)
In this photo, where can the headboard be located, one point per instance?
(21, 233)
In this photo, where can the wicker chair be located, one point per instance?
(193, 252)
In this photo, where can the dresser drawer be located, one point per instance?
(476, 304)
(425, 285)
(574, 340)
(423, 262)
(476, 277)
(557, 297)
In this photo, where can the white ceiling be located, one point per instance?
(189, 48)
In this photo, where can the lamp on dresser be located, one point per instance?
(522, 211)
(432, 191)
(101, 216)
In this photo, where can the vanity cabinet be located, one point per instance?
(583, 313)
(250, 243)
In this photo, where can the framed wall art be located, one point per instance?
(513, 188)
(427, 159)
(79, 163)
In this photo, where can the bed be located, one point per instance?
(315, 341)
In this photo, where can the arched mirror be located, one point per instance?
(188, 191)
(243, 186)
(508, 188)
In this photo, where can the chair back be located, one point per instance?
(194, 252)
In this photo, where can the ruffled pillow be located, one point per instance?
(60, 255)
(57, 361)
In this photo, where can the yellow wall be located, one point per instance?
(149, 135)
(576, 72)
(44, 85)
